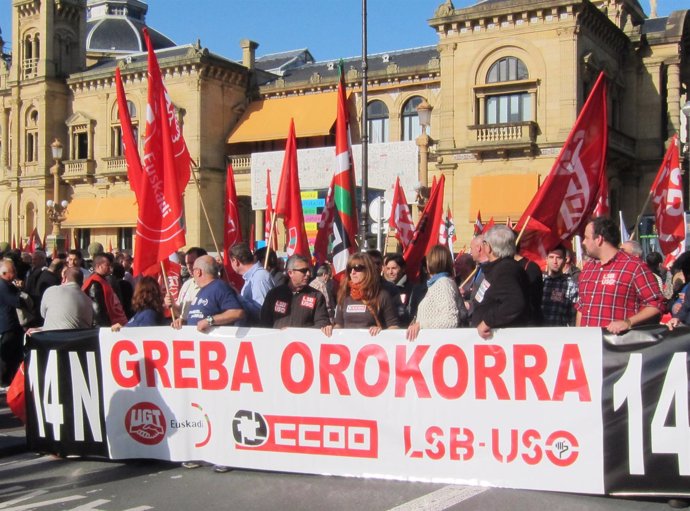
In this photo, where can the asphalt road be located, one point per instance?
(29, 481)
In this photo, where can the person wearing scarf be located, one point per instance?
(442, 306)
(362, 303)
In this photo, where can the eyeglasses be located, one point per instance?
(303, 271)
(357, 267)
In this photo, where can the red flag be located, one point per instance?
(446, 235)
(667, 196)
(602, 207)
(563, 205)
(252, 240)
(167, 166)
(400, 219)
(110, 245)
(325, 227)
(426, 233)
(233, 232)
(68, 239)
(488, 225)
(44, 245)
(345, 221)
(21, 244)
(14, 243)
(134, 170)
(269, 214)
(478, 226)
(31, 246)
(289, 200)
(172, 271)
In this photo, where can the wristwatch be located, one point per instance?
(209, 320)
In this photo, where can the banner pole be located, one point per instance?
(167, 289)
(468, 277)
(203, 207)
(522, 231)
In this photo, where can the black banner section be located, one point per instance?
(645, 411)
(64, 395)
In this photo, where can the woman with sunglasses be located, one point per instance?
(442, 306)
(362, 303)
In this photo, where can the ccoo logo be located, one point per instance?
(249, 428)
(145, 423)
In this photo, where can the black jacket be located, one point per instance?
(502, 299)
(284, 308)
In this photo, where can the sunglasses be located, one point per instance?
(357, 267)
(303, 271)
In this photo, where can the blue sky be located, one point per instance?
(330, 29)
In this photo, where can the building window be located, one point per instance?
(82, 237)
(507, 108)
(509, 69)
(124, 238)
(31, 154)
(377, 114)
(508, 96)
(117, 147)
(32, 52)
(410, 119)
(81, 136)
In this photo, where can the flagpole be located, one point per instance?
(468, 277)
(639, 217)
(271, 233)
(522, 231)
(203, 207)
(365, 136)
(167, 289)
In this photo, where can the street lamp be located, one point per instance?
(423, 142)
(56, 210)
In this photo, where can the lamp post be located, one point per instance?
(56, 210)
(423, 142)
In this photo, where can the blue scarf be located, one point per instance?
(433, 279)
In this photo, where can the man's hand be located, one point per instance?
(619, 326)
(484, 330)
(327, 330)
(177, 323)
(412, 331)
(203, 326)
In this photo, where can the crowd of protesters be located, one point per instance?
(488, 288)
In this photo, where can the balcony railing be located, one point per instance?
(30, 68)
(504, 137)
(241, 163)
(622, 143)
(78, 170)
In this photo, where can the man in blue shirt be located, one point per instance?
(216, 303)
(257, 281)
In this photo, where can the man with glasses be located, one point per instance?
(189, 289)
(296, 304)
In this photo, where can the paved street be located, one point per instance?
(29, 481)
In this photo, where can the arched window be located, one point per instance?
(377, 115)
(30, 218)
(31, 136)
(410, 119)
(116, 143)
(32, 51)
(510, 103)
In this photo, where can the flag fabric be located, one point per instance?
(478, 225)
(446, 235)
(602, 207)
(289, 200)
(325, 227)
(426, 233)
(173, 271)
(345, 220)
(34, 242)
(252, 240)
(269, 214)
(232, 232)
(134, 170)
(14, 243)
(21, 243)
(110, 245)
(401, 219)
(488, 225)
(564, 203)
(68, 241)
(624, 232)
(167, 168)
(667, 197)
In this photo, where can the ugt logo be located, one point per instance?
(145, 423)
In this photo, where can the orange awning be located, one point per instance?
(502, 196)
(269, 119)
(106, 212)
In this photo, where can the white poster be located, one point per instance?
(520, 410)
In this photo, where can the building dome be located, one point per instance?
(114, 27)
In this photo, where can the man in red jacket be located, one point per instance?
(107, 309)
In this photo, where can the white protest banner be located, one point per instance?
(520, 410)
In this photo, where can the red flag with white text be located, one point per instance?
(167, 169)
(478, 225)
(667, 197)
(565, 202)
(426, 233)
(401, 219)
(232, 231)
(289, 200)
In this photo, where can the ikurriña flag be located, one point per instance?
(289, 200)
(478, 225)
(400, 219)
(667, 197)
(232, 231)
(565, 202)
(345, 221)
(426, 233)
(166, 170)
